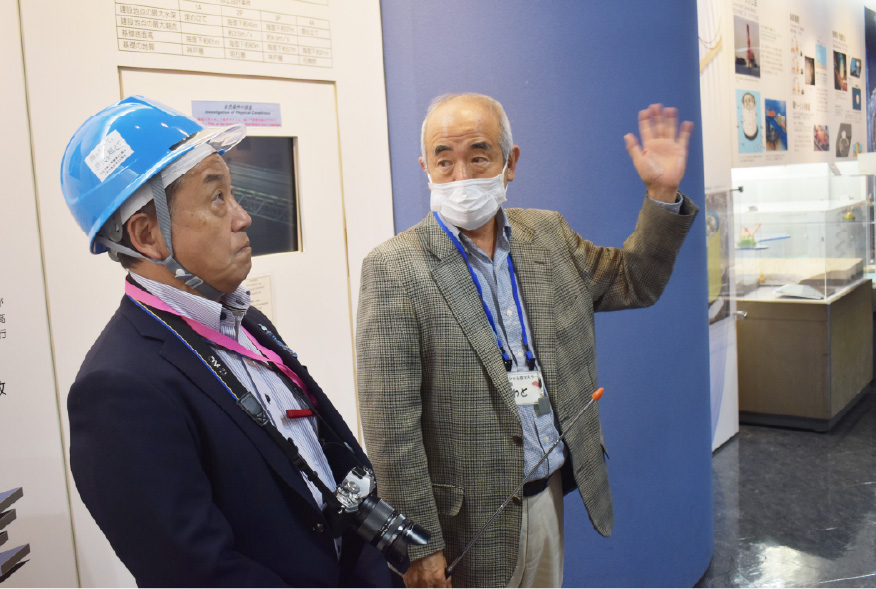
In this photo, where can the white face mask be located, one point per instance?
(469, 204)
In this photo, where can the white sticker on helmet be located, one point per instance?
(108, 155)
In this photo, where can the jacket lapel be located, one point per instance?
(534, 271)
(454, 281)
(190, 364)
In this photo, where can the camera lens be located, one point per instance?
(389, 531)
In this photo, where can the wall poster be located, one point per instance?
(798, 81)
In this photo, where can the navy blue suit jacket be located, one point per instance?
(187, 488)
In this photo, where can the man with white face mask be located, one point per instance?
(475, 333)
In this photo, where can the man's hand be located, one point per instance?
(428, 572)
(662, 157)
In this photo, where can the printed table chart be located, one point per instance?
(224, 29)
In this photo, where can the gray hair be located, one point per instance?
(494, 106)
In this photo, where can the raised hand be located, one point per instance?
(662, 157)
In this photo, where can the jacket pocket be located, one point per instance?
(448, 499)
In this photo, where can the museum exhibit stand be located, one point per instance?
(803, 248)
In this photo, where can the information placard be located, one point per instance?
(797, 81)
(247, 30)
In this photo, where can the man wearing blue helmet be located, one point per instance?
(201, 446)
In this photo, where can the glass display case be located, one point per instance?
(803, 246)
(801, 232)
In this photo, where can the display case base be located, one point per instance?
(803, 364)
(797, 422)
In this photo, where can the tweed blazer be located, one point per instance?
(438, 413)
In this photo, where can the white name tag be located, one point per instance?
(528, 387)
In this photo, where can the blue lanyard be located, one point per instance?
(530, 358)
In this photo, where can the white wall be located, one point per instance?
(31, 452)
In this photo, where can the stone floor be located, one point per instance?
(796, 508)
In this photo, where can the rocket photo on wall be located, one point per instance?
(746, 41)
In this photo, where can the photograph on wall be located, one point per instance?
(844, 140)
(821, 138)
(748, 121)
(855, 68)
(776, 125)
(809, 75)
(856, 98)
(840, 77)
(747, 46)
(821, 56)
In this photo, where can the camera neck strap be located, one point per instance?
(183, 329)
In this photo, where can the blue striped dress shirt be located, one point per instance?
(258, 378)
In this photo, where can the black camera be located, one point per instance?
(373, 519)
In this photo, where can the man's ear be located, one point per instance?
(423, 164)
(512, 163)
(145, 235)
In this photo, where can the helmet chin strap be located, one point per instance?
(179, 272)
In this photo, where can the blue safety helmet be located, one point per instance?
(120, 148)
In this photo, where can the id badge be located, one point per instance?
(528, 387)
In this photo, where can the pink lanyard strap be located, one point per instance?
(222, 340)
